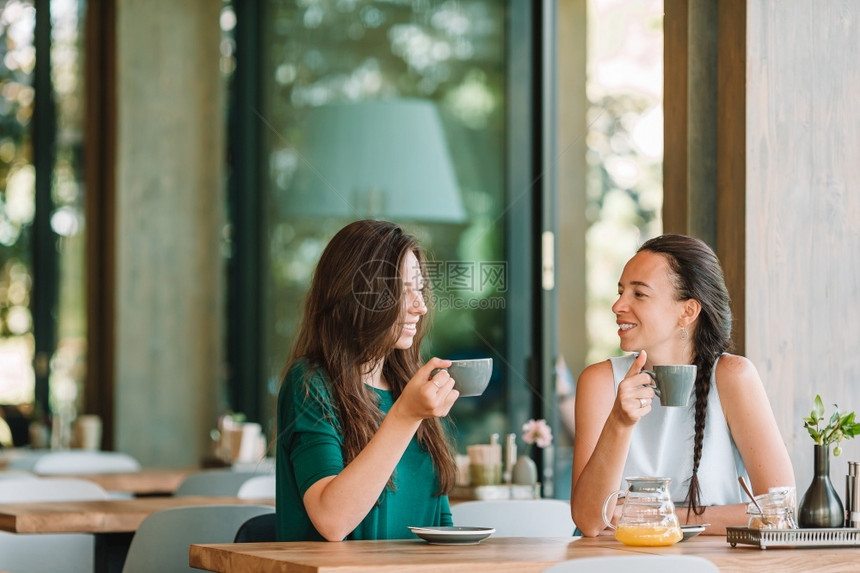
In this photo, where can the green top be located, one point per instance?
(310, 448)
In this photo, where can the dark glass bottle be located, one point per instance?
(821, 506)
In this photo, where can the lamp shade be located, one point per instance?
(381, 158)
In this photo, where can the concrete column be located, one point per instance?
(170, 196)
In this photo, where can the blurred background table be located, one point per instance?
(146, 482)
(112, 521)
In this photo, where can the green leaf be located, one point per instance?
(839, 426)
(816, 435)
(818, 408)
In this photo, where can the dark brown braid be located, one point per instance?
(698, 276)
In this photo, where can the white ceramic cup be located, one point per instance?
(88, 432)
(249, 446)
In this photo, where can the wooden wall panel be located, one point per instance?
(803, 212)
(731, 158)
(675, 110)
(100, 173)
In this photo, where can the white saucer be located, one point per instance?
(453, 535)
(690, 531)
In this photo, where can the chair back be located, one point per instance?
(15, 474)
(258, 487)
(74, 462)
(258, 529)
(637, 563)
(215, 482)
(163, 539)
(34, 489)
(47, 552)
(517, 517)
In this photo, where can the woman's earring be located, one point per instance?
(683, 333)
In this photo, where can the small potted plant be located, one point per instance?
(820, 505)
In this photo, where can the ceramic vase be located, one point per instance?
(525, 471)
(820, 505)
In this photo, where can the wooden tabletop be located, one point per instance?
(147, 481)
(103, 516)
(499, 554)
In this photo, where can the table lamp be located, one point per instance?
(376, 159)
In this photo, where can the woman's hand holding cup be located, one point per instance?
(427, 396)
(635, 393)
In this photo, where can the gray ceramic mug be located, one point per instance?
(674, 383)
(471, 376)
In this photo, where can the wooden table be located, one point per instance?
(112, 521)
(500, 555)
(146, 482)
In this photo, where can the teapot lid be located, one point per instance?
(647, 483)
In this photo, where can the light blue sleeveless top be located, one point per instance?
(662, 445)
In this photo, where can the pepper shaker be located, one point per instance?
(510, 457)
(852, 495)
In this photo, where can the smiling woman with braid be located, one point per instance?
(673, 308)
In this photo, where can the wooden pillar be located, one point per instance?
(100, 158)
(704, 95)
(731, 159)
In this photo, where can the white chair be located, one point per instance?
(16, 474)
(517, 517)
(215, 482)
(162, 541)
(28, 489)
(258, 487)
(263, 465)
(47, 552)
(74, 462)
(637, 563)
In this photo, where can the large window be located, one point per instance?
(17, 201)
(423, 113)
(347, 87)
(625, 151)
(42, 287)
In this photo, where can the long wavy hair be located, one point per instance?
(697, 275)
(352, 320)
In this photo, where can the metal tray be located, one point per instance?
(814, 537)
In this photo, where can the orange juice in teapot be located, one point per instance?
(647, 513)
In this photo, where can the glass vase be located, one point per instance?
(821, 506)
(525, 471)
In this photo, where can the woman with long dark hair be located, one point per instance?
(673, 308)
(361, 453)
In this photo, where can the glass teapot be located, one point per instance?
(647, 514)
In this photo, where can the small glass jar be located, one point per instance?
(772, 516)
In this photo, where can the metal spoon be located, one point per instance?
(749, 493)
